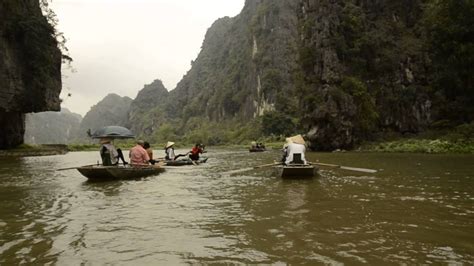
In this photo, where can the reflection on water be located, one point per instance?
(417, 209)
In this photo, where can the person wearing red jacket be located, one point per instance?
(194, 153)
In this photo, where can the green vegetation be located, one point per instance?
(276, 123)
(450, 27)
(200, 130)
(459, 140)
(422, 146)
(366, 114)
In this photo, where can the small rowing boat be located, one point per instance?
(257, 149)
(186, 161)
(99, 172)
(296, 171)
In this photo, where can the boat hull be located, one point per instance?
(297, 171)
(99, 172)
(185, 162)
(256, 150)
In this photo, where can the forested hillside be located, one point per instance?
(147, 111)
(111, 111)
(339, 71)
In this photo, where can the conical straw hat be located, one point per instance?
(169, 144)
(298, 139)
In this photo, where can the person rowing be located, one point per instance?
(294, 150)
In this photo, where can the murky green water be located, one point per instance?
(417, 209)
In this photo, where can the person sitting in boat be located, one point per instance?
(109, 154)
(196, 150)
(149, 151)
(295, 150)
(253, 145)
(169, 150)
(138, 154)
(285, 152)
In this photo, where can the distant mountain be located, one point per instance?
(52, 127)
(112, 110)
(147, 111)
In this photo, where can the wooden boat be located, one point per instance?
(296, 171)
(99, 172)
(257, 149)
(186, 161)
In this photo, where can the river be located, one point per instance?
(418, 209)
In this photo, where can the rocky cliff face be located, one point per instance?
(244, 62)
(111, 111)
(148, 110)
(30, 67)
(365, 60)
(52, 127)
(339, 71)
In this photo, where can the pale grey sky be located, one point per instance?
(120, 45)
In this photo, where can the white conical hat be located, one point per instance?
(169, 144)
(298, 139)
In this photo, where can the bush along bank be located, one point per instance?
(460, 139)
(422, 146)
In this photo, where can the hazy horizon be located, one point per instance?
(118, 46)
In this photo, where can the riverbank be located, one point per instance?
(420, 146)
(458, 141)
(26, 150)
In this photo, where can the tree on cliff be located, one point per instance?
(450, 28)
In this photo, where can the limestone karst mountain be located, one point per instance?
(52, 127)
(112, 110)
(30, 67)
(147, 109)
(338, 71)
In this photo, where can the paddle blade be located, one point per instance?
(358, 169)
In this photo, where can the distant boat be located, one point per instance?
(99, 172)
(296, 171)
(254, 149)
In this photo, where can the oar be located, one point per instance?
(249, 168)
(70, 168)
(365, 170)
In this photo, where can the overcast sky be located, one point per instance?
(120, 45)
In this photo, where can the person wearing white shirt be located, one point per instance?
(295, 145)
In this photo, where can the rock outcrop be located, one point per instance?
(111, 111)
(339, 71)
(365, 65)
(30, 67)
(52, 127)
(147, 111)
